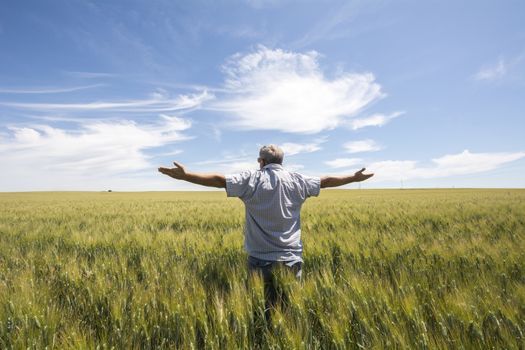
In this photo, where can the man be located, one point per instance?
(273, 198)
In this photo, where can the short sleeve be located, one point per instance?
(239, 185)
(312, 185)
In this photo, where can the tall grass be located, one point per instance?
(396, 269)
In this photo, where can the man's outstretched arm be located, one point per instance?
(180, 173)
(335, 181)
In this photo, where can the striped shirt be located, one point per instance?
(273, 198)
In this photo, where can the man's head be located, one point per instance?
(270, 154)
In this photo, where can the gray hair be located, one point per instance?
(271, 154)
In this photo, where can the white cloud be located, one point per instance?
(493, 72)
(158, 102)
(170, 153)
(228, 159)
(45, 157)
(334, 24)
(160, 94)
(463, 163)
(232, 163)
(230, 167)
(234, 167)
(392, 170)
(287, 91)
(259, 4)
(361, 146)
(466, 162)
(343, 162)
(373, 120)
(89, 75)
(47, 90)
(229, 163)
(290, 148)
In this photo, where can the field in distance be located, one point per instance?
(382, 268)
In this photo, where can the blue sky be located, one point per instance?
(97, 94)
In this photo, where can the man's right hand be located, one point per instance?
(179, 172)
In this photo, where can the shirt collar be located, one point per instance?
(273, 166)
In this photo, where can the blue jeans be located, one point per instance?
(272, 295)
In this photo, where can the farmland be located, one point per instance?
(383, 268)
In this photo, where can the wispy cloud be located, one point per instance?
(230, 163)
(89, 75)
(47, 90)
(93, 151)
(233, 167)
(156, 103)
(259, 4)
(170, 153)
(507, 68)
(492, 72)
(361, 146)
(463, 163)
(374, 120)
(240, 31)
(331, 25)
(287, 91)
(290, 148)
(230, 167)
(343, 162)
(229, 159)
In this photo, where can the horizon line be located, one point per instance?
(219, 190)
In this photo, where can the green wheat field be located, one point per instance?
(399, 269)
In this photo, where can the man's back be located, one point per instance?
(273, 198)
